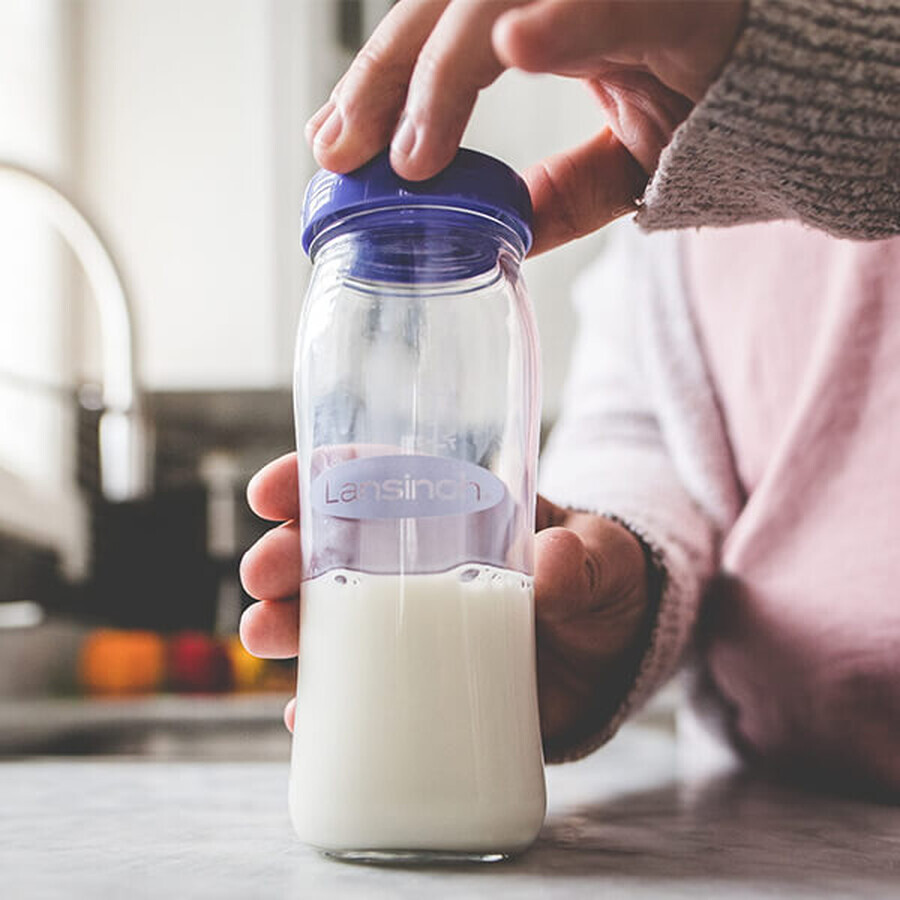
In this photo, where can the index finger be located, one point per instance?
(359, 119)
(454, 64)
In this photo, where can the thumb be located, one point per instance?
(579, 190)
(587, 563)
(566, 575)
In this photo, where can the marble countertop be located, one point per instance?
(623, 823)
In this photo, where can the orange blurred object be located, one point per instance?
(118, 663)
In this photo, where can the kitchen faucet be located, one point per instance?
(124, 441)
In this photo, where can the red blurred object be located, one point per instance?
(198, 664)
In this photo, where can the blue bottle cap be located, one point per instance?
(473, 182)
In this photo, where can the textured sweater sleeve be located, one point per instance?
(609, 453)
(803, 123)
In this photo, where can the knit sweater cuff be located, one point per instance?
(803, 123)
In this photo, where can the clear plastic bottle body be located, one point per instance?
(416, 406)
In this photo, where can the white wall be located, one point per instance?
(177, 164)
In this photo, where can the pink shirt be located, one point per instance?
(802, 337)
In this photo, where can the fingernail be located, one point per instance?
(316, 120)
(331, 130)
(404, 138)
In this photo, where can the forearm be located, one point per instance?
(803, 123)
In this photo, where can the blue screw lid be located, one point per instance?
(473, 182)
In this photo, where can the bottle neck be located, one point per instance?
(418, 246)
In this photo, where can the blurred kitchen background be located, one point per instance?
(152, 168)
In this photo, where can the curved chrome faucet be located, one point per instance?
(124, 437)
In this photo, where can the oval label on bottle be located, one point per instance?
(405, 487)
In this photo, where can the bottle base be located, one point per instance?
(414, 857)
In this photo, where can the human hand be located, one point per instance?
(415, 82)
(591, 602)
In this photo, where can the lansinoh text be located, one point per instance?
(388, 487)
(406, 488)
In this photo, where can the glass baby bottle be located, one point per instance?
(417, 414)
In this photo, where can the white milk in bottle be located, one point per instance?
(423, 730)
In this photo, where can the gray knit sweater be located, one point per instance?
(803, 123)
